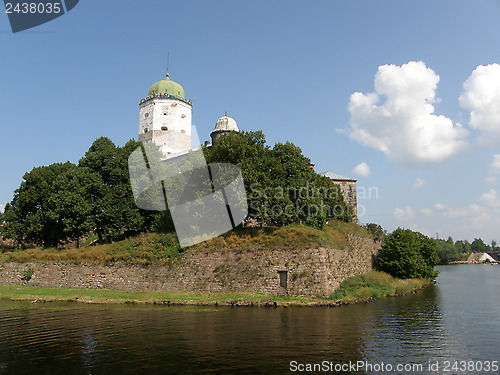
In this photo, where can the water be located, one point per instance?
(455, 320)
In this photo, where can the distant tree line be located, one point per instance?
(64, 203)
(447, 250)
(451, 251)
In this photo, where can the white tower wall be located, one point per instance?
(167, 122)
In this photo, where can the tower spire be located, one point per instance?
(168, 64)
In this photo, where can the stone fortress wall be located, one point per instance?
(313, 272)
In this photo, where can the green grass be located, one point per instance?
(143, 249)
(164, 248)
(35, 293)
(366, 287)
(375, 285)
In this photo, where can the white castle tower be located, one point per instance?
(225, 124)
(165, 117)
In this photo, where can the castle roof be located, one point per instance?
(336, 176)
(167, 86)
(225, 124)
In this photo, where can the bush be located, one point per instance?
(28, 274)
(374, 285)
(406, 254)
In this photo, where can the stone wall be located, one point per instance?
(348, 189)
(316, 272)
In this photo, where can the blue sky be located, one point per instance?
(289, 68)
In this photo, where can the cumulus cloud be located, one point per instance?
(419, 182)
(427, 211)
(481, 96)
(2, 208)
(440, 207)
(398, 118)
(494, 166)
(361, 170)
(403, 213)
(490, 198)
(466, 211)
(490, 180)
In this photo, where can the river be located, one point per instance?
(452, 327)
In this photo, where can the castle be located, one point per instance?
(165, 118)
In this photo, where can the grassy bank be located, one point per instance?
(164, 248)
(375, 285)
(360, 288)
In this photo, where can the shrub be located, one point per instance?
(28, 274)
(406, 254)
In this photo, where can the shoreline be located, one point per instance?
(36, 294)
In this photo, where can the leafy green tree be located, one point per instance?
(114, 210)
(32, 217)
(494, 246)
(463, 247)
(478, 246)
(447, 251)
(408, 254)
(376, 230)
(281, 187)
(75, 194)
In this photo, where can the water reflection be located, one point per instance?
(451, 320)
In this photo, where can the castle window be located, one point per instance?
(183, 115)
(283, 278)
(145, 130)
(183, 131)
(164, 128)
(146, 115)
(164, 113)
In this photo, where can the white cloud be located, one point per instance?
(419, 182)
(440, 207)
(494, 166)
(404, 127)
(466, 211)
(427, 211)
(403, 213)
(490, 180)
(490, 198)
(481, 96)
(361, 170)
(2, 208)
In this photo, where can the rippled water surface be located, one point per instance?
(457, 319)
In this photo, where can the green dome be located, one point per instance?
(166, 86)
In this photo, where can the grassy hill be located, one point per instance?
(164, 248)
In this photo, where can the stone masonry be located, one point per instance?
(314, 272)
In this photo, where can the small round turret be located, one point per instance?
(223, 125)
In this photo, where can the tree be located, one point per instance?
(447, 251)
(376, 230)
(478, 246)
(114, 209)
(75, 194)
(281, 187)
(53, 205)
(408, 254)
(463, 247)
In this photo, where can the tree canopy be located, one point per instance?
(281, 186)
(65, 202)
(407, 254)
